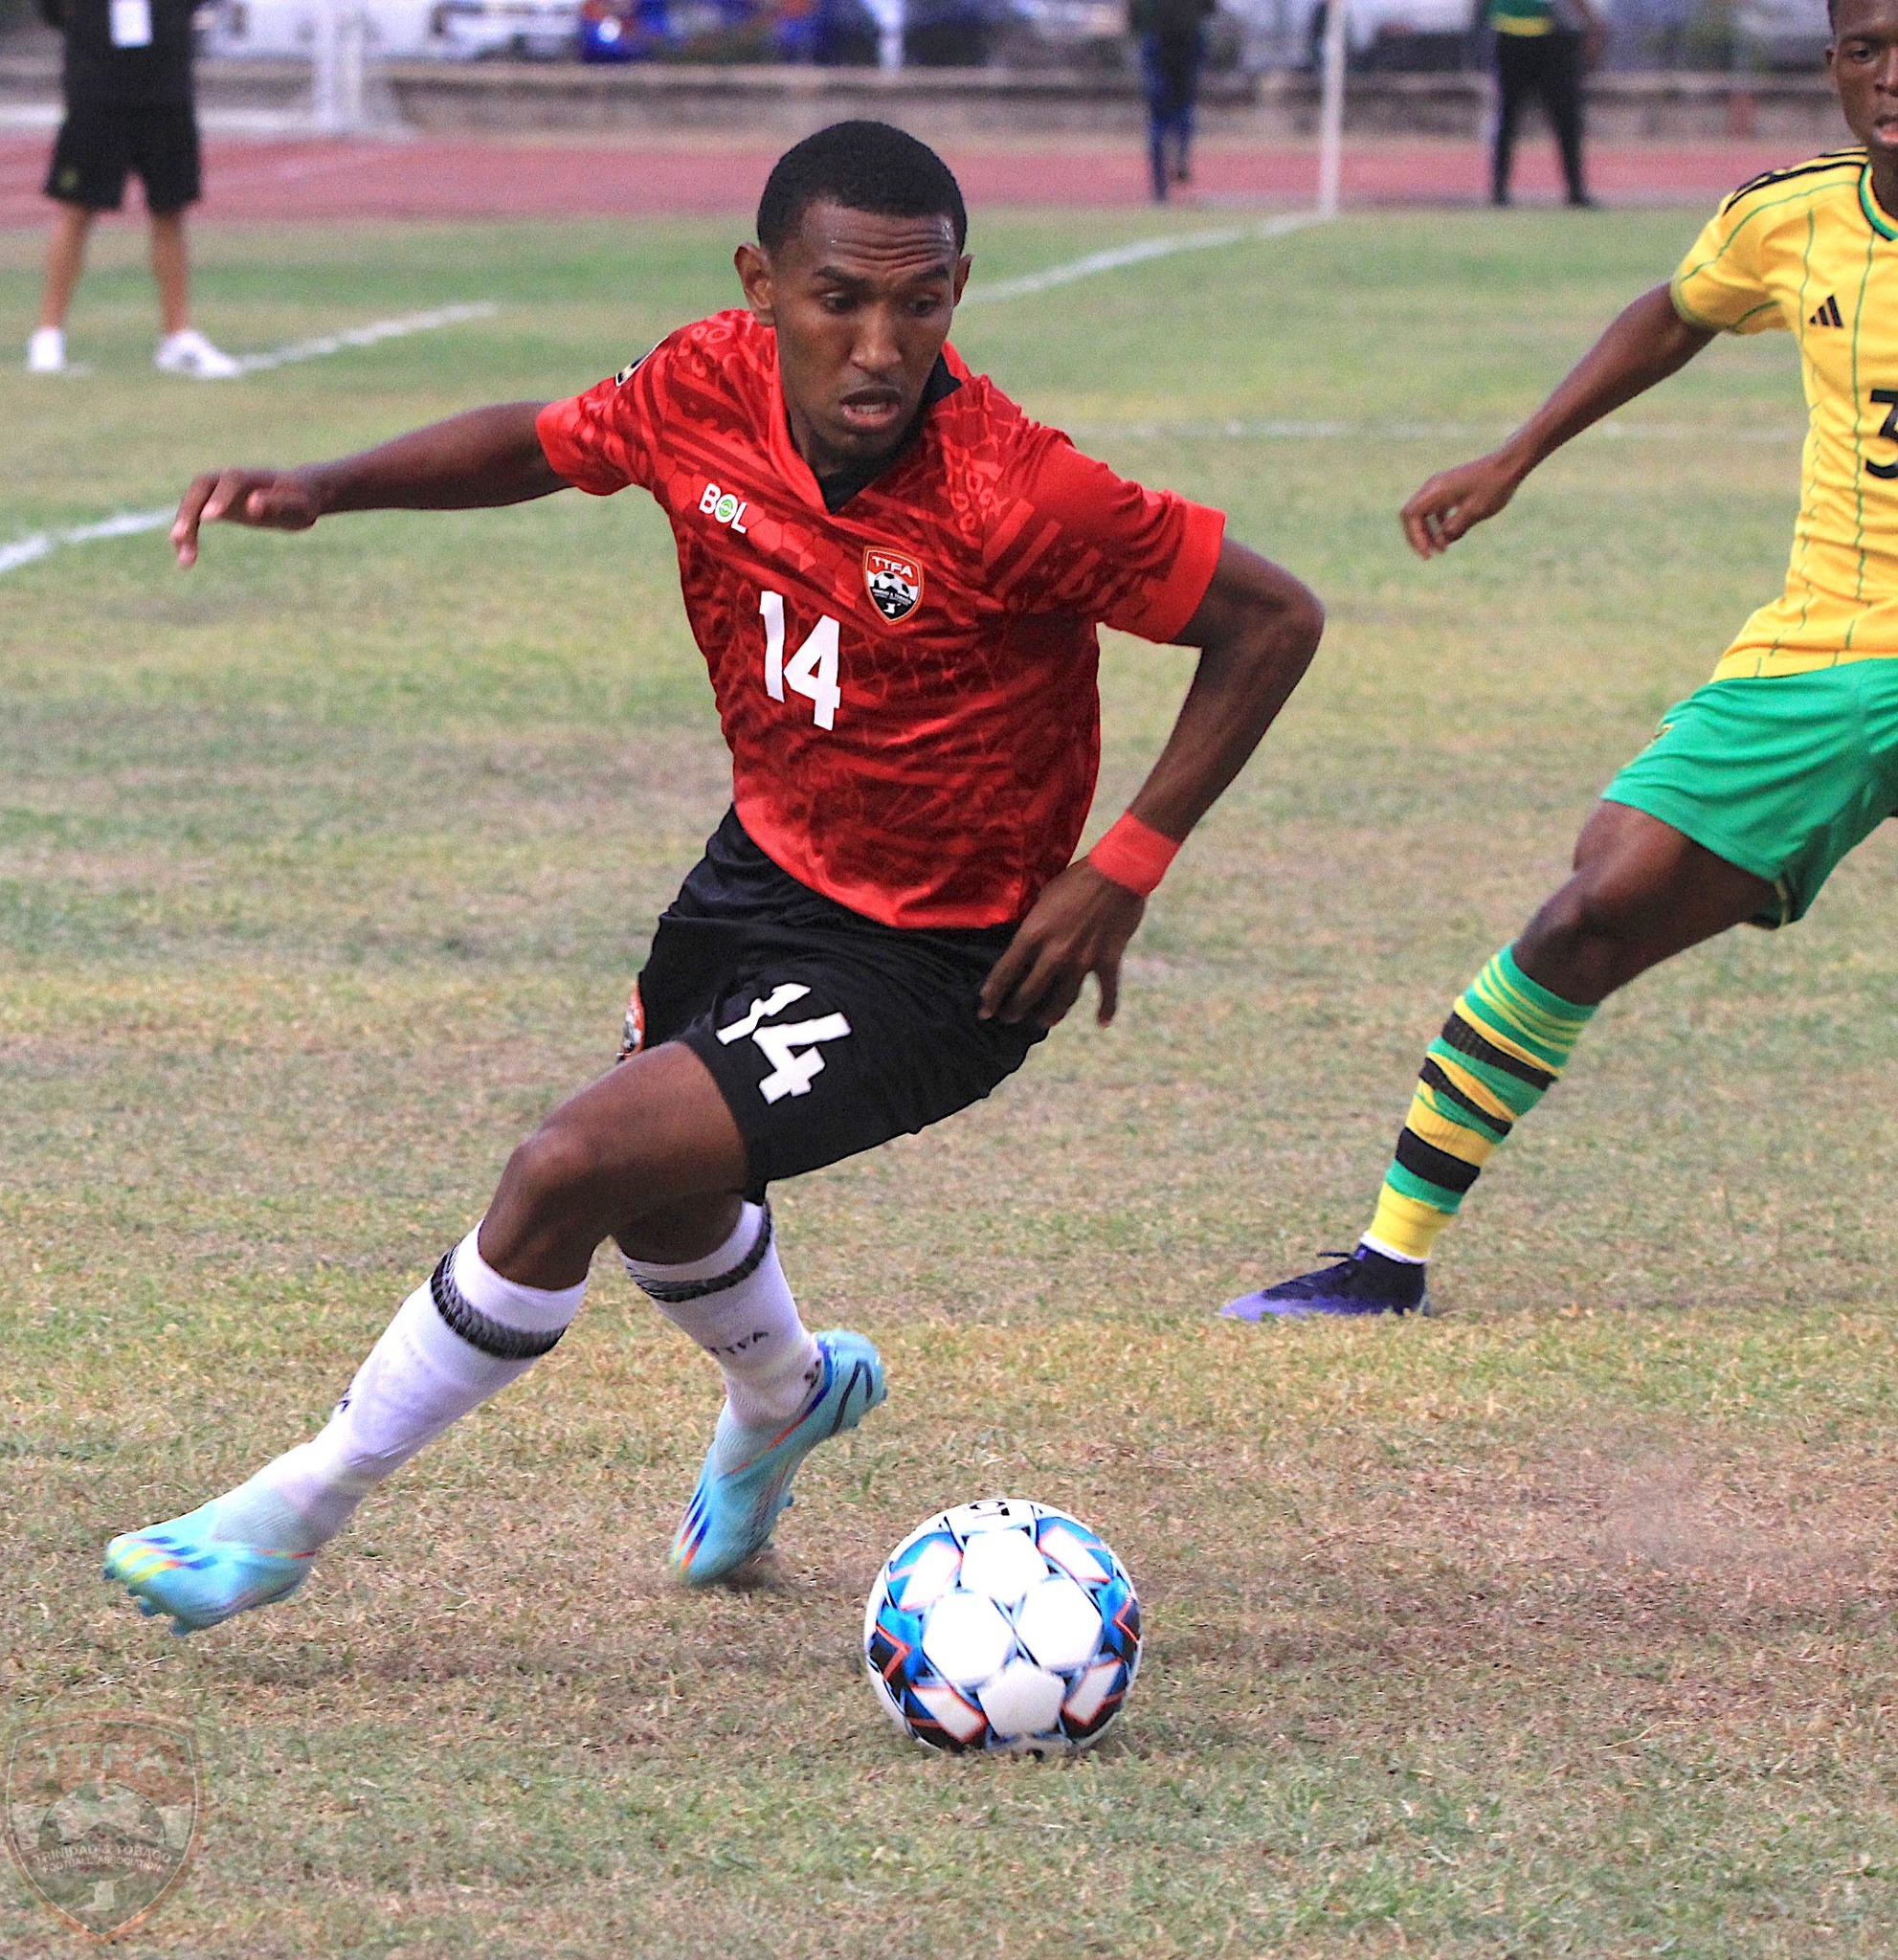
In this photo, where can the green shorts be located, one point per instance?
(1782, 776)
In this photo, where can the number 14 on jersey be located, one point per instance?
(811, 671)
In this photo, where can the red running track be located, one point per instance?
(470, 178)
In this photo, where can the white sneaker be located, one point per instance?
(46, 351)
(189, 352)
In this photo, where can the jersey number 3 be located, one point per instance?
(811, 671)
(1886, 398)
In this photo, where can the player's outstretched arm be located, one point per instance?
(1647, 343)
(486, 457)
(1258, 628)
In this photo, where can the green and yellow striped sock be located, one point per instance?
(1499, 1052)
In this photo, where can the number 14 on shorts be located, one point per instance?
(794, 1050)
(811, 671)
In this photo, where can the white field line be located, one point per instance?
(365, 336)
(43, 544)
(38, 545)
(1138, 253)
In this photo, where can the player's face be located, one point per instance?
(862, 305)
(1863, 59)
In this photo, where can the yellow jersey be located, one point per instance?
(1809, 250)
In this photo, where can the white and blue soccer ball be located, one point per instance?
(1003, 1626)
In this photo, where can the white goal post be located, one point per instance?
(1332, 108)
(338, 63)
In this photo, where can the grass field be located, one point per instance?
(1560, 1624)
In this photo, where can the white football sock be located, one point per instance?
(452, 1343)
(736, 1303)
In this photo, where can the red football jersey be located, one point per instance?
(907, 684)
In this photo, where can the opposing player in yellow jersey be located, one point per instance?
(1759, 783)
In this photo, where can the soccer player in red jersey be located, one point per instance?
(895, 578)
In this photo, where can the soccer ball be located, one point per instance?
(1004, 1626)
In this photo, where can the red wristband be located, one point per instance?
(1134, 854)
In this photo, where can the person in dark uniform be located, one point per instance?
(1172, 49)
(127, 83)
(1543, 49)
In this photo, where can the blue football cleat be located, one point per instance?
(733, 1512)
(183, 1569)
(1362, 1282)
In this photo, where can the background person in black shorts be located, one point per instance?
(127, 83)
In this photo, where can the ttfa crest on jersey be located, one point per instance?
(893, 581)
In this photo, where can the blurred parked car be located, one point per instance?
(621, 30)
(527, 30)
(400, 30)
(1064, 34)
(823, 34)
(815, 30)
(839, 33)
(1402, 36)
(1785, 35)
(279, 28)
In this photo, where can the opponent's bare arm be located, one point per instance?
(486, 457)
(1257, 629)
(1647, 343)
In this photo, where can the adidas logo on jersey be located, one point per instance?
(1828, 315)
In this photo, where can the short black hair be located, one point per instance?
(863, 166)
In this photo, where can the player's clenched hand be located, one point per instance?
(1453, 500)
(1078, 926)
(270, 500)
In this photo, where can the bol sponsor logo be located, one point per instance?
(893, 581)
(102, 1815)
(724, 508)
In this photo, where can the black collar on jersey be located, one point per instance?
(840, 488)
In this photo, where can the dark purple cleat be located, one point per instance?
(1364, 1282)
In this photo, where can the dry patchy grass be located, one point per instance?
(1560, 1624)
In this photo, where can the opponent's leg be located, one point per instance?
(787, 1390)
(1641, 893)
(648, 1136)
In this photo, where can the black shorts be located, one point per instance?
(100, 143)
(826, 1033)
